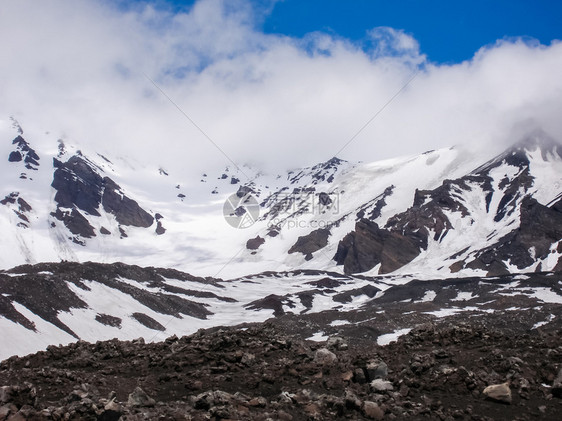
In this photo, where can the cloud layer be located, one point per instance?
(82, 69)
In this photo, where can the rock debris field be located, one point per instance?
(438, 371)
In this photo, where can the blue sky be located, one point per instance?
(448, 31)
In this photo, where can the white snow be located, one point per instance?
(463, 296)
(318, 337)
(428, 297)
(547, 321)
(339, 322)
(391, 337)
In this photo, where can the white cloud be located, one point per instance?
(77, 68)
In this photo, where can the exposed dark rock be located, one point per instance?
(160, 228)
(126, 211)
(540, 228)
(375, 206)
(20, 210)
(15, 156)
(108, 320)
(369, 245)
(273, 302)
(254, 243)
(24, 152)
(311, 243)
(80, 186)
(148, 321)
(105, 231)
(324, 171)
(76, 223)
(44, 290)
(348, 296)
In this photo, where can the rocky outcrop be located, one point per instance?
(126, 211)
(369, 245)
(82, 191)
(254, 243)
(45, 290)
(540, 228)
(24, 152)
(76, 223)
(20, 207)
(310, 243)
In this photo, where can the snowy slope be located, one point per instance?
(84, 206)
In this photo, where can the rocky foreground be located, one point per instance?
(259, 372)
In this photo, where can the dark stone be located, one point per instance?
(160, 228)
(254, 243)
(126, 211)
(106, 319)
(24, 152)
(77, 184)
(15, 156)
(105, 231)
(369, 245)
(76, 223)
(540, 227)
(11, 198)
(311, 242)
(148, 321)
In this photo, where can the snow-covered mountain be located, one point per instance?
(337, 239)
(440, 213)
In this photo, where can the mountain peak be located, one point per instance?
(537, 138)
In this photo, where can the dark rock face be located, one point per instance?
(148, 321)
(324, 171)
(44, 290)
(24, 152)
(108, 320)
(77, 185)
(160, 228)
(19, 206)
(126, 211)
(81, 188)
(254, 243)
(409, 232)
(540, 228)
(15, 156)
(369, 245)
(311, 243)
(76, 223)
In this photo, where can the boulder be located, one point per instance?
(372, 411)
(325, 357)
(139, 398)
(377, 370)
(498, 393)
